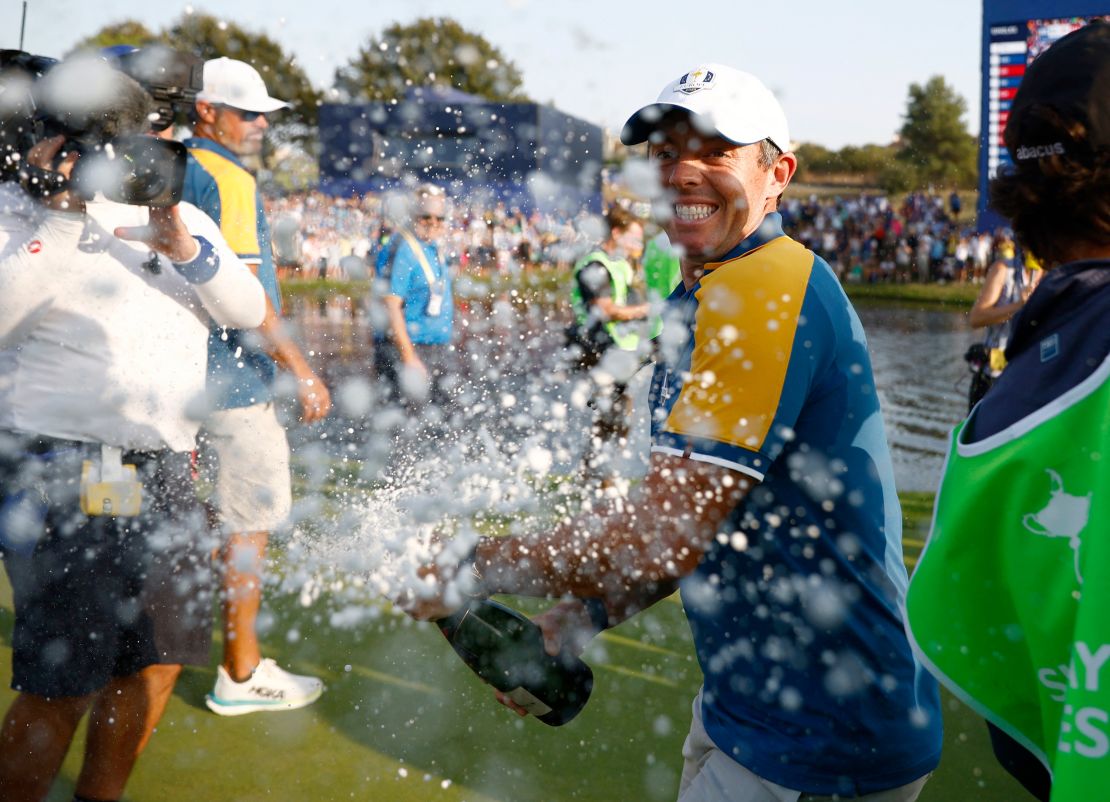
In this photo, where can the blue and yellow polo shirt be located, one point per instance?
(239, 372)
(796, 607)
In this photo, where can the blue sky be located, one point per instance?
(841, 70)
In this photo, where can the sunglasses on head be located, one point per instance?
(245, 116)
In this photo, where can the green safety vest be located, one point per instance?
(1010, 604)
(662, 272)
(624, 335)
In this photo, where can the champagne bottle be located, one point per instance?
(505, 648)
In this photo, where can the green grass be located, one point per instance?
(550, 286)
(538, 280)
(403, 720)
(955, 296)
(318, 289)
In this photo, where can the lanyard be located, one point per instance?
(421, 257)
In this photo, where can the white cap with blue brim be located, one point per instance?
(720, 100)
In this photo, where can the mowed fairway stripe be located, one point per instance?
(628, 672)
(389, 679)
(635, 644)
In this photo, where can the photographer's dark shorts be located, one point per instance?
(100, 597)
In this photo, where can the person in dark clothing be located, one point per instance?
(606, 310)
(1037, 435)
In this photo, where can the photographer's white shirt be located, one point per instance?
(101, 340)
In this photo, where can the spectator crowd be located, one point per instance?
(866, 237)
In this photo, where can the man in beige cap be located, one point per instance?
(253, 493)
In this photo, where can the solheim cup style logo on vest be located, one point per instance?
(695, 81)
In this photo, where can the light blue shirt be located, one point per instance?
(399, 266)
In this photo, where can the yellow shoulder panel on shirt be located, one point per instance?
(238, 203)
(747, 315)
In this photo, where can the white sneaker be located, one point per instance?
(269, 687)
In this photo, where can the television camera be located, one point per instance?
(104, 107)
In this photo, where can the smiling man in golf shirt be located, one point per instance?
(770, 498)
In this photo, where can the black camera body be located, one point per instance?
(20, 127)
(103, 111)
(173, 79)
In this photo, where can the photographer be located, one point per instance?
(103, 337)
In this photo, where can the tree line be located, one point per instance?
(933, 147)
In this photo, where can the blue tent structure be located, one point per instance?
(526, 155)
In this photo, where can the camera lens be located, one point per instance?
(142, 187)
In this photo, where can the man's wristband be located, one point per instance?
(203, 266)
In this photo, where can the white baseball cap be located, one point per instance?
(228, 82)
(731, 103)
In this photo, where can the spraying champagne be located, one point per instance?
(505, 648)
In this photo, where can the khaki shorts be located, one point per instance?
(709, 775)
(252, 486)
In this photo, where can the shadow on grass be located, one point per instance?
(404, 720)
(397, 689)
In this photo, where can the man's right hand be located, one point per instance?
(414, 376)
(314, 397)
(164, 233)
(42, 155)
(416, 363)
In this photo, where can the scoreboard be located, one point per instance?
(1014, 33)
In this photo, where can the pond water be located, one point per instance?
(507, 347)
(922, 379)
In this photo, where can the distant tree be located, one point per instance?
(128, 32)
(860, 163)
(210, 38)
(936, 144)
(429, 52)
(867, 160)
(898, 176)
(815, 160)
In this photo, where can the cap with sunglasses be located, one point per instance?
(245, 116)
(237, 85)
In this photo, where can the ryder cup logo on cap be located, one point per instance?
(694, 81)
(739, 108)
(228, 82)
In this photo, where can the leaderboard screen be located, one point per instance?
(1010, 45)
